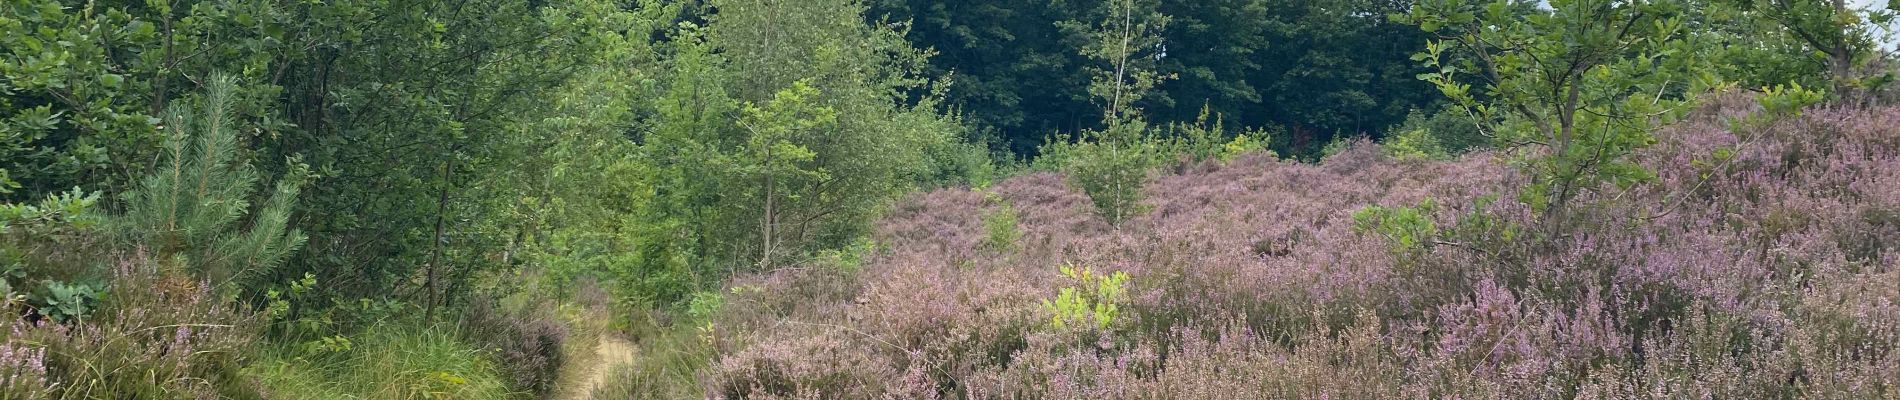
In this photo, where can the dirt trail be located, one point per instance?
(610, 352)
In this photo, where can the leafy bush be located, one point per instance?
(1405, 227)
(66, 302)
(1245, 143)
(1438, 134)
(1788, 101)
(44, 240)
(1095, 300)
(1207, 140)
(1112, 167)
(1001, 223)
(1414, 144)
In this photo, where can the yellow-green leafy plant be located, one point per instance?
(1789, 100)
(1246, 142)
(1094, 298)
(1404, 227)
(1415, 144)
(1002, 224)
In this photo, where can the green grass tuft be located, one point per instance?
(391, 361)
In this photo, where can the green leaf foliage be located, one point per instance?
(1093, 302)
(1579, 85)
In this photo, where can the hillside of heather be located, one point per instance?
(1762, 261)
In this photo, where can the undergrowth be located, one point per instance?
(397, 360)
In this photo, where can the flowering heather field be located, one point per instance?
(1761, 263)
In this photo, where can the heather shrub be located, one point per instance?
(156, 336)
(806, 366)
(23, 372)
(1759, 262)
(528, 342)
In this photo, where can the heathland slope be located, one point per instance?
(1760, 261)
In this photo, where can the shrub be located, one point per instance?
(1405, 227)
(1414, 144)
(194, 204)
(1000, 222)
(23, 372)
(1759, 263)
(1246, 143)
(1112, 168)
(394, 360)
(1340, 145)
(45, 241)
(1095, 299)
(527, 342)
(66, 302)
(1445, 132)
(159, 336)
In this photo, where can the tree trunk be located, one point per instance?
(435, 243)
(771, 215)
(1121, 62)
(1840, 59)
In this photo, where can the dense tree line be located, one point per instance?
(1318, 69)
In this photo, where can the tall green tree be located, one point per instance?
(823, 57)
(1015, 75)
(779, 161)
(1111, 165)
(1126, 44)
(410, 110)
(85, 83)
(1320, 68)
(774, 130)
(1752, 51)
(1840, 37)
(1580, 85)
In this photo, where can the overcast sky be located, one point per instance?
(1890, 41)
